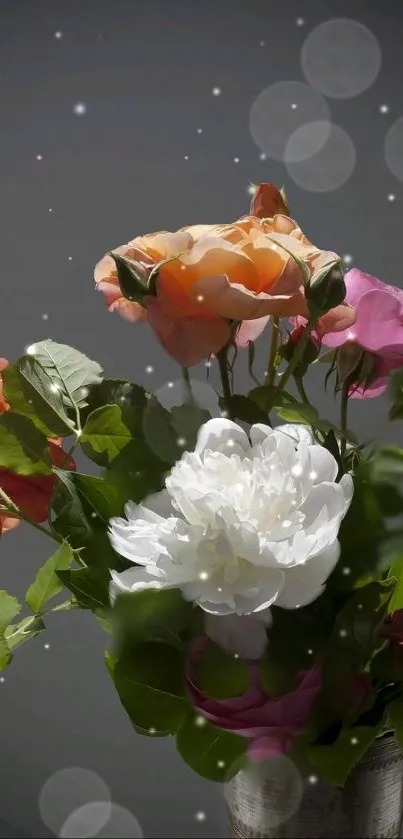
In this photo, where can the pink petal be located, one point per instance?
(250, 331)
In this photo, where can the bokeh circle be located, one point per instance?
(326, 170)
(341, 58)
(274, 787)
(70, 789)
(83, 823)
(393, 149)
(279, 110)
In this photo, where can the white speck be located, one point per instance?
(294, 106)
(80, 109)
(262, 156)
(45, 316)
(186, 157)
(220, 764)
(30, 350)
(170, 384)
(287, 523)
(93, 515)
(250, 189)
(200, 298)
(310, 652)
(384, 109)
(200, 816)
(152, 730)
(207, 364)
(200, 721)
(54, 388)
(351, 336)
(262, 43)
(236, 159)
(149, 369)
(58, 35)
(181, 441)
(359, 606)
(200, 131)
(203, 575)
(39, 157)
(313, 779)
(219, 589)
(46, 646)
(50, 210)
(346, 571)
(347, 259)
(300, 21)
(236, 655)
(216, 91)
(391, 197)
(2, 679)
(313, 475)
(297, 470)
(354, 741)
(343, 633)
(224, 414)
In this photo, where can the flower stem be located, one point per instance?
(293, 364)
(222, 358)
(15, 511)
(271, 370)
(189, 398)
(343, 417)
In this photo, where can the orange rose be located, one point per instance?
(31, 493)
(243, 271)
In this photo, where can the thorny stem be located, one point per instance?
(293, 364)
(15, 511)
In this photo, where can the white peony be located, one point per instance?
(242, 525)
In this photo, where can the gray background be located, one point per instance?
(145, 71)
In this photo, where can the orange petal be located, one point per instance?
(190, 339)
(234, 301)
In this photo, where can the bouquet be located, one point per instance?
(247, 568)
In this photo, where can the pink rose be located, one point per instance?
(269, 723)
(378, 330)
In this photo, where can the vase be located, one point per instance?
(283, 806)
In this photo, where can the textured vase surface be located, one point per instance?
(370, 805)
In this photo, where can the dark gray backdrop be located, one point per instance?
(73, 185)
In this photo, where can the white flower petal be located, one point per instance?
(298, 432)
(259, 433)
(135, 579)
(304, 583)
(243, 635)
(323, 465)
(221, 435)
(347, 485)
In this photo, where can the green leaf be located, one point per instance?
(114, 436)
(335, 762)
(46, 584)
(395, 393)
(116, 392)
(132, 278)
(106, 498)
(209, 751)
(326, 289)
(23, 448)
(150, 614)
(396, 573)
(5, 654)
(150, 683)
(90, 587)
(386, 465)
(161, 436)
(42, 393)
(262, 396)
(395, 713)
(9, 608)
(290, 410)
(71, 372)
(186, 420)
(72, 521)
(245, 409)
(20, 400)
(17, 634)
(221, 675)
